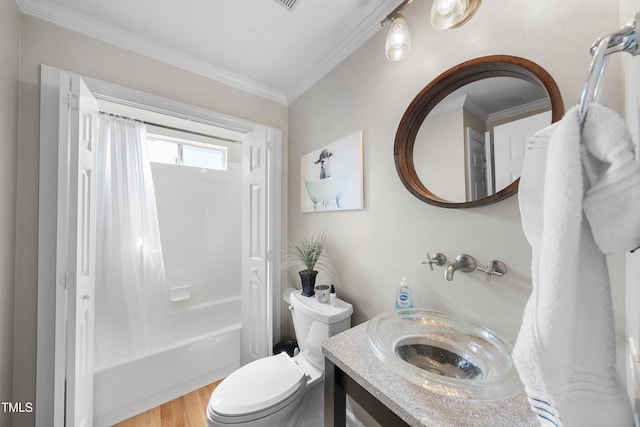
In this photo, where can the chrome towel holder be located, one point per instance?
(626, 39)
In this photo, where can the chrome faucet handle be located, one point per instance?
(494, 268)
(436, 258)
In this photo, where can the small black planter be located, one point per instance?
(308, 282)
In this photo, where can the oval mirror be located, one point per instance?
(461, 143)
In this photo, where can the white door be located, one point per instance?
(476, 165)
(76, 237)
(510, 145)
(256, 307)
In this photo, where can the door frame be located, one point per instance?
(52, 298)
(473, 137)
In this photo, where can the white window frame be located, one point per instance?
(181, 143)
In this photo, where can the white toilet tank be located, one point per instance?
(314, 322)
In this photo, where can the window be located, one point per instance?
(175, 151)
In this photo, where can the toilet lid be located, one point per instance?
(257, 386)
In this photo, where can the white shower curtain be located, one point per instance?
(130, 276)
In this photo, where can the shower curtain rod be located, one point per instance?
(191, 132)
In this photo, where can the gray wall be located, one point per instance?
(373, 248)
(44, 43)
(9, 69)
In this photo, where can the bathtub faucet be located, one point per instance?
(463, 262)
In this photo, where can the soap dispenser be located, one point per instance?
(403, 296)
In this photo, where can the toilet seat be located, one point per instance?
(257, 389)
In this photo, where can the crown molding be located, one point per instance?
(471, 105)
(520, 110)
(461, 101)
(447, 105)
(468, 103)
(74, 21)
(363, 32)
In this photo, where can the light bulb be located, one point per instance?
(445, 6)
(398, 43)
(448, 13)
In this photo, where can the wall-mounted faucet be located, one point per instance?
(437, 259)
(466, 264)
(463, 262)
(494, 268)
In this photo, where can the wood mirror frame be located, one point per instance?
(447, 82)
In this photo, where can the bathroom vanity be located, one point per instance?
(352, 368)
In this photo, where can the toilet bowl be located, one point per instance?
(279, 390)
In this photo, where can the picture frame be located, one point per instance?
(331, 178)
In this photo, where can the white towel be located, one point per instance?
(565, 351)
(612, 204)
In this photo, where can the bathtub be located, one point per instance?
(325, 191)
(129, 387)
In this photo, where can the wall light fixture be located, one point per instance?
(447, 14)
(398, 43)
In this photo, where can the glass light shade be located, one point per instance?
(448, 13)
(445, 7)
(398, 44)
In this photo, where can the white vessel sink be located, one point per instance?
(445, 354)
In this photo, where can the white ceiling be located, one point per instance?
(255, 45)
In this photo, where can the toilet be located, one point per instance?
(279, 390)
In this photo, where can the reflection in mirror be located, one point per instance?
(461, 141)
(472, 144)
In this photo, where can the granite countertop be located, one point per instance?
(417, 406)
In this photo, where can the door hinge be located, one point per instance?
(66, 281)
(71, 101)
(269, 139)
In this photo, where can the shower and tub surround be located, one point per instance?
(565, 351)
(202, 347)
(180, 314)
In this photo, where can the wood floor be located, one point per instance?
(189, 410)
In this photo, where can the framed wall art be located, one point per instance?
(331, 178)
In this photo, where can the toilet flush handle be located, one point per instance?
(291, 308)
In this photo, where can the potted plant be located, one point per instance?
(308, 252)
